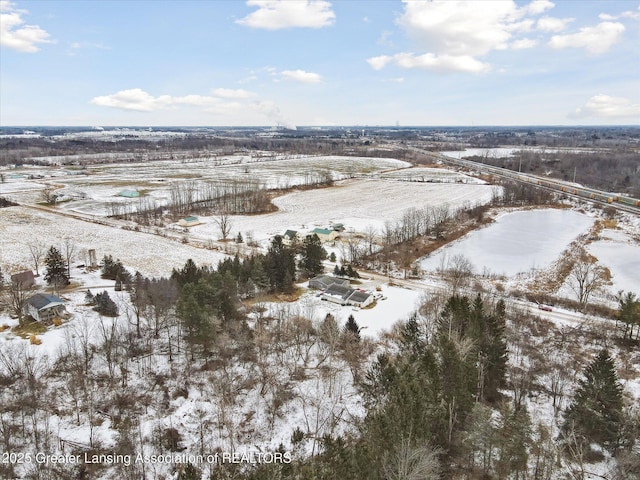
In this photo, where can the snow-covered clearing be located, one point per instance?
(100, 184)
(152, 255)
(356, 203)
(516, 242)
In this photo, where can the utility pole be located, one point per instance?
(575, 169)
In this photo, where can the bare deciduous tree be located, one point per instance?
(68, 250)
(48, 196)
(223, 220)
(37, 250)
(18, 293)
(587, 277)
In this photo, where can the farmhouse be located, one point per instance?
(290, 237)
(347, 296)
(23, 279)
(44, 308)
(322, 282)
(324, 234)
(189, 221)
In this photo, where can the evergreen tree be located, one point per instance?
(190, 273)
(352, 328)
(629, 313)
(513, 441)
(56, 269)
(239, 238)
(595, 414)
(196, 315)
(332, 257)
(281, 265)
(313, 253)
(104, 305)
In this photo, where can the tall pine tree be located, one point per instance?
(56, 269)
(595, 415)
(312, 256)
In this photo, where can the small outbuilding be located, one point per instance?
(189, 221)
(44, 308)
(129, 193)
(24, 279)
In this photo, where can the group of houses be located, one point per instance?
(337, 290)
(326, 235)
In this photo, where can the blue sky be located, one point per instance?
(319, 62)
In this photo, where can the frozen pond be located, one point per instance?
(516, 242)
(623, 260)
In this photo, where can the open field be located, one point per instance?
(356, 203)
(146, 253)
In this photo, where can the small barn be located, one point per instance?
(189, 221)
(324, 234)
(44, 308)
(24, 279)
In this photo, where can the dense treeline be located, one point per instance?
(615, 170)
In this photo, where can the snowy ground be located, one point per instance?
(152, 255)
(100, 184)
(356, 203)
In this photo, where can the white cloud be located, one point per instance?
(552, 24)
(430, 61)
(378, 63)
(301, 76)
(230, 93)
(455, 33)
(538, 6)
(524, 43)
(595, 40)
(278, 14)
(17, 36)
(628, 14)
(138, 100)
(460, 27)
(605, 106)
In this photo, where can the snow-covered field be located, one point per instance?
(356, 203)
(152, 255)
(516, 242)
(100, 184)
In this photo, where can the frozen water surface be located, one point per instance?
(516, 242)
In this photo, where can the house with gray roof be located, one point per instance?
(347, 296)
(322, 282)
(290, 237)
(44, 308)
